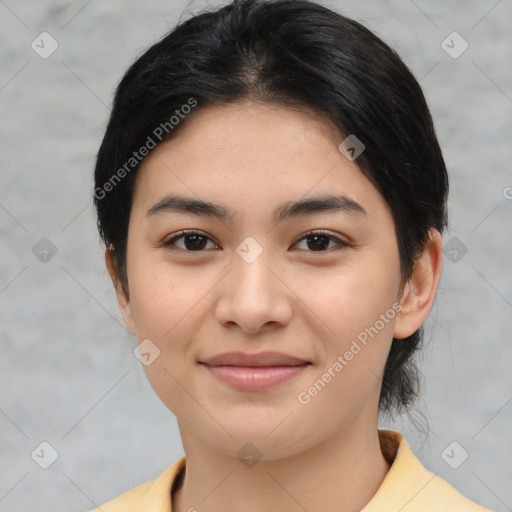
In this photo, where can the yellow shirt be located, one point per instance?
(407, 487)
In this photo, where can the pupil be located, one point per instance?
(320, 242)
(196, 241)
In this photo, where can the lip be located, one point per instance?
(254, 372)
(262, 359)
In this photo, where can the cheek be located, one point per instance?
(356, 304)
(349, 373)
(161, 299)
(352, 298)
(165, 309)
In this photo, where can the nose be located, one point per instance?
(254, 294)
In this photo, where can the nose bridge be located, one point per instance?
(252, 295)
(251, 275)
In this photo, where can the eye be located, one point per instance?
(318, 241)
(193, 241)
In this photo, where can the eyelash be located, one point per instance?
(182, 234)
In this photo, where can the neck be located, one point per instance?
(341, 474)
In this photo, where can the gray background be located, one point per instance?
(67, 372)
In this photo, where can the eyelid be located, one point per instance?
(339, 242)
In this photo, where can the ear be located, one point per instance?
(420, 290)
(122, 298)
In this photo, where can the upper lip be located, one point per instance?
(261, 359)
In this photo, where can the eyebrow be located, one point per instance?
(326, 203)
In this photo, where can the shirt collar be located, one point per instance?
(405, 469)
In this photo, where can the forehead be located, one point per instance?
(252, 124)
(269, 153)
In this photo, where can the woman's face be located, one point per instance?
(254, 282)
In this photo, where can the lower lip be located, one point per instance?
(251, 378)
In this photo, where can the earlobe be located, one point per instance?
(123, 298)
(420, 291)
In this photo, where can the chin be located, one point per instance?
(268, 441)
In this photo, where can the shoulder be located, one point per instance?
(443, 497)
(410, 487)
(151, 495)
(126, 502)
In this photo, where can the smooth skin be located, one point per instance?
(294, 298)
